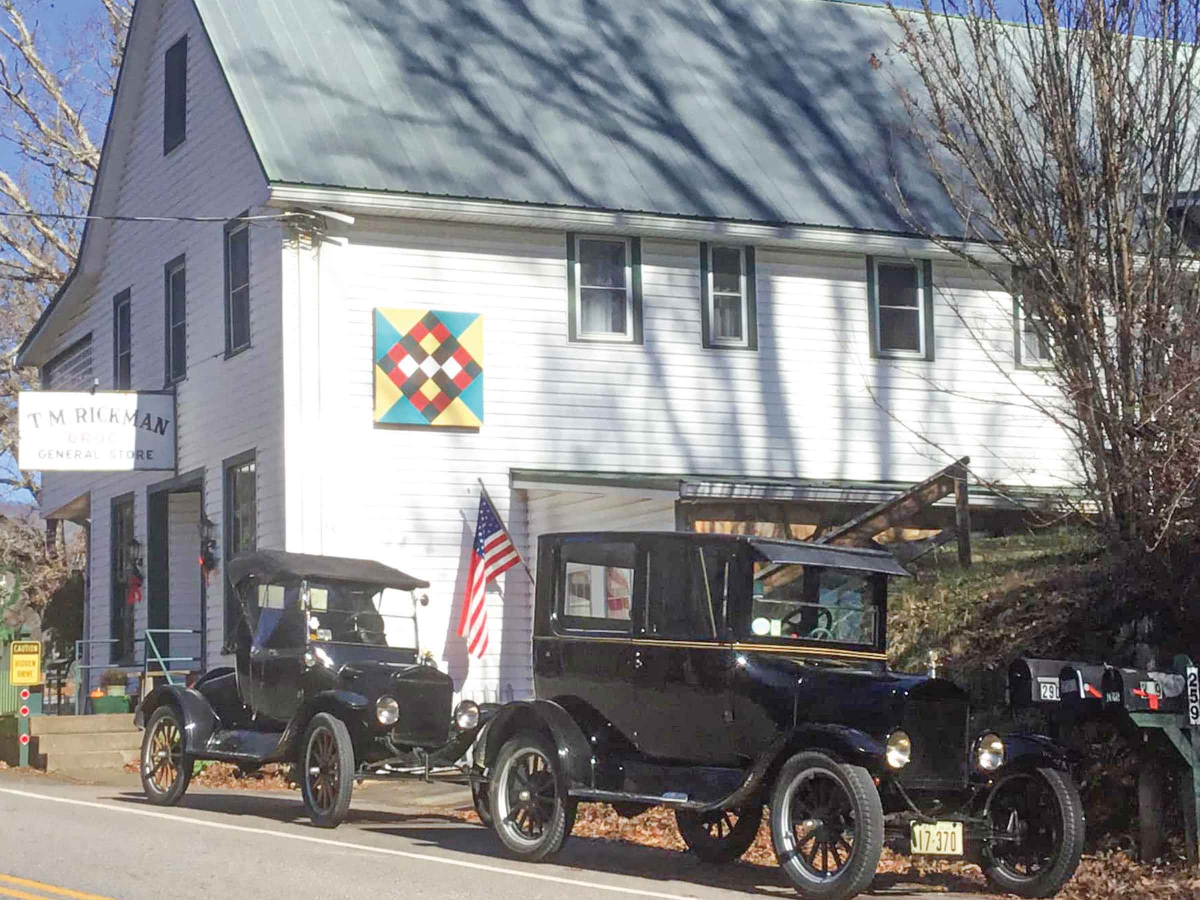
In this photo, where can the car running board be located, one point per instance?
(671, 798)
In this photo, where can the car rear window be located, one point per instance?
(596, 582)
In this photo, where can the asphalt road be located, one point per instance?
(61, 841)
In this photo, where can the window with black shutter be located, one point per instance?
(175, 95)
(122, 342)
(237, 287)
(176, 318)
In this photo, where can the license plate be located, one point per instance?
(937, 838)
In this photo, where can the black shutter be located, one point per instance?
(572, 314)
(927, 300)
(751, 300)
(635, 252)
(175, 95)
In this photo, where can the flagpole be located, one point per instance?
(504, 525)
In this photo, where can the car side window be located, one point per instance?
(677, 594)
(280, 623)
(596, 581)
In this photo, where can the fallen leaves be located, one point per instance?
(1106, 875)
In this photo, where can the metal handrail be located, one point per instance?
(81, 667)
(149, 645)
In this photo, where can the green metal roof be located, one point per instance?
(773, 111)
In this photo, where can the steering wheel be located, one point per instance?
(364, 635)
(787, 621)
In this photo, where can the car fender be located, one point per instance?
(1033, 751)
(199, 720)
(850, 745)
(574, 751)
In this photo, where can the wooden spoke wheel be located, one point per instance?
(827, 826)
(327, 770)
(166, 768)
(532, 817)
(1038, 821)
(720, 836)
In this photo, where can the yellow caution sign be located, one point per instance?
(25, 662)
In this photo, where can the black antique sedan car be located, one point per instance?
(326, 678)
(724, 676)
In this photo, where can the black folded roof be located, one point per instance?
(274, 565)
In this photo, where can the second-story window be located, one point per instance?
(727, 313)
(901, 307)
(175, 95)
(237, 287)
(176, 314)
(122, 342)
(604, 281)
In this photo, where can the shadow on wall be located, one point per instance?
(458, 662)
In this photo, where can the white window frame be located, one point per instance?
(713, 339)
(580, 334)
(1023, 359)
(916, 264)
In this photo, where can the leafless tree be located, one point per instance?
(56, 85)
(1068, 141)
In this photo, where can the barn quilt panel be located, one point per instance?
(428, 368)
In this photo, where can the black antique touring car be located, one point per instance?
(723, 675)
(327, 678)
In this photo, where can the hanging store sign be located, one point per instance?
(105, 431)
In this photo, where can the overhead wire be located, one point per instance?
(85, 217)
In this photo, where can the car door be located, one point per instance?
(277, 655)
(682, 659)
(584, 662)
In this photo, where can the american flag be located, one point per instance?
(492, 554)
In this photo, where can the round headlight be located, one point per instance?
(466, 715)
(387, 710)
(989, 753)
(899, 750)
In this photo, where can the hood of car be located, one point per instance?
(873, 701)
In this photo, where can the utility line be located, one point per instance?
(274, 217)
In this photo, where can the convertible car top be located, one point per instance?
(271, 565)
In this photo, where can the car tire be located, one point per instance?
(1047, 810)
(326, 770)
(719, 836)
(482, 802)
(826, 801)
(531, 814)
(164, 764)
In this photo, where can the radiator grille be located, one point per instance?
(424, 713)
(938, 730)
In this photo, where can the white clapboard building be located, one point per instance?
(617, 260)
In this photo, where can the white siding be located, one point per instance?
(224, 406)
(183, 569)
(803, 405)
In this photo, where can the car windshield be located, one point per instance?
(359, 614)
(808, 603)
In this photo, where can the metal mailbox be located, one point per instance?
(1034, 681)
(1135, 690)
(1082, 687)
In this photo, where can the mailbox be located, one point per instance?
(1034, 681)
(1081, 686)
(1135, 690)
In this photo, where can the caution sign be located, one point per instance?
(25, 662)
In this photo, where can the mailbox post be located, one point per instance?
(1182, 729)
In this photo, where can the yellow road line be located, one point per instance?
(45, 888)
